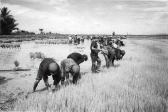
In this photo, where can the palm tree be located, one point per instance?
(7, 22)
(5, 14)
(41, 30)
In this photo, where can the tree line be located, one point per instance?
(8, 24)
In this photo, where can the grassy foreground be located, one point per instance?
(138, 83)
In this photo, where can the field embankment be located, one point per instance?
(136, 83)
(21, 38)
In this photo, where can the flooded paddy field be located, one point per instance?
(138, 82)
(13, 83)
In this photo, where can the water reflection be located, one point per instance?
(57, 51)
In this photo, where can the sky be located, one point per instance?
(137, 17)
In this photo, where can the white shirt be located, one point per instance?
(114, 45)
(70, 38)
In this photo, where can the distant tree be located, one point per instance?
(22, 31)
(113, 33)
(17, 29)
(7, 22)
(41, 31)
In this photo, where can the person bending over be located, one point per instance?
(78, 58)
(69, 66)
(47, 68)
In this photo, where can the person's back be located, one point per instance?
(43, 68)
(70, 66)
(67, 62)
(48, 67)
(76, 57)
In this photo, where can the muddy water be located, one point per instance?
(57, 51)
(22, 81)
(25, 79)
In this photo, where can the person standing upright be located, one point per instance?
(96, 62)
(75, 39)
(70, 39)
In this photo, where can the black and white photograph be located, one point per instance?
(84, 55)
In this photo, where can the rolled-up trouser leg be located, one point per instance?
(112, 61)
(98, 63)
(93, 68)
(107, 60)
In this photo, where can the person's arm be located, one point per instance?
(57, 77)
(38, 78)
(93, 48)
(46, 83)
(35, 85)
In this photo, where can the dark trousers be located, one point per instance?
(96, 63)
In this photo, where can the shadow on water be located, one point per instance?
(4, 80)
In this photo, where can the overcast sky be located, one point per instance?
(91, 16)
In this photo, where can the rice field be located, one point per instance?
(137, 83)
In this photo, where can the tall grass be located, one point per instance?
(138, 84)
